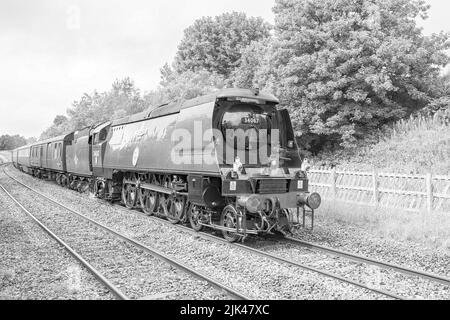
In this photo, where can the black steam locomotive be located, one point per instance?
(227, 161)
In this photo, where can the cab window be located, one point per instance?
(246, 117)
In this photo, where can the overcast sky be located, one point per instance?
(51, 51)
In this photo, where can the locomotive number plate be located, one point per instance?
(300, 184)
(233, 185)
(250, 120)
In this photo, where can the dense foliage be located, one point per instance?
(8, 142)
(418, 145)
(175, 86)
(123, 99)
(344, 68)
(347, 67)
(215, 44)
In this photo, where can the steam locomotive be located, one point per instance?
(227, 161)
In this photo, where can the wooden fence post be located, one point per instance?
(375, 185)
(430, 198)
(333, 183)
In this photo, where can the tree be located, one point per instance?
(59, 120)
(123, 99)
(31, 140)
(88, 110)
(442, 101)
(347, 67)
(187, 85)
(60, 126)
(8, 142)
(215, 44)
(253, 61)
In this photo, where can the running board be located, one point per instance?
(157, 188)
(154, 187)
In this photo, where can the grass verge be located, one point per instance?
(396, 224)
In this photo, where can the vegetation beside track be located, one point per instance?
(418, 145)
(393, 224)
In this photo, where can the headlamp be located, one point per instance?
(274, 162)
(237, 165)
(253, 204)
(314, 200)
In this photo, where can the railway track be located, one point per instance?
(329, 251)
(99, 246)
(363, 259)
(256, 252)
(317, 248)
(107, 283)
(291, 263)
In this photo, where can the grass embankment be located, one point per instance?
(430, 230)
(418, 145)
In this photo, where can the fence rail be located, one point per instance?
(417, 193)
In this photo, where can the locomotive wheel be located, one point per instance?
(176, 210)
(194, 217)
(99, 190)
(73, 185)
(64, 181)
(129, 195)
(286, 228)
(149, 201)
(229, 219)
(84, 187)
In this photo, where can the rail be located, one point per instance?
(114, 290)
(157, 254)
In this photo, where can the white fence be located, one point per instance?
(418, 193)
